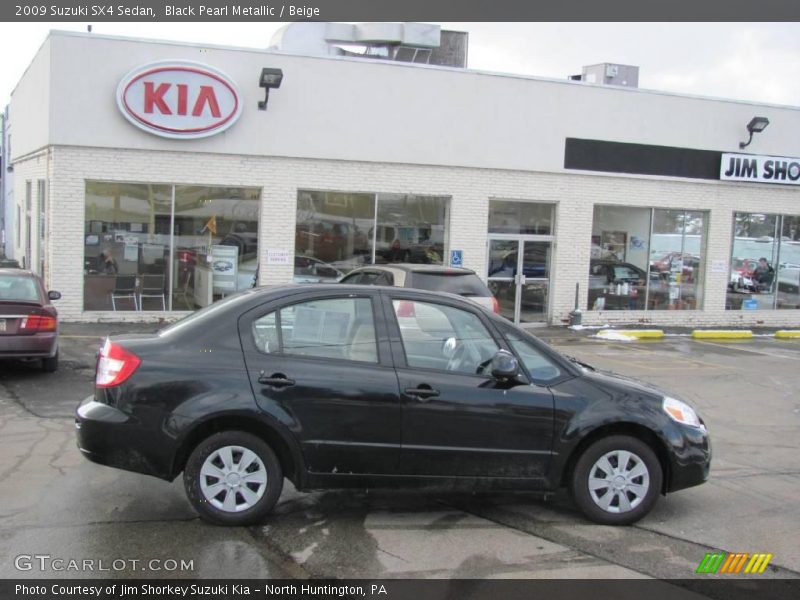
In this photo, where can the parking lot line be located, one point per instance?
(751, 350)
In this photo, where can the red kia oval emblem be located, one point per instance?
(179, 99)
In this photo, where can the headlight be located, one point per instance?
(681, 412)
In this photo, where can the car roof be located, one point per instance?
(418, 268)
(356, 288)
(23, 272)
(236, 304)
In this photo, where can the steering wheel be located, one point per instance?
(482, 366)
(458, 356)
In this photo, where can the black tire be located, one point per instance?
(616, 513)
(242, 514)
(50, 364)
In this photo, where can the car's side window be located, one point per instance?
(385, 279)
(354, 278)
(342, 328)
(623, 272)
(541, 368)
(437, 336)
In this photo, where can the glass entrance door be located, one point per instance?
(519, 277)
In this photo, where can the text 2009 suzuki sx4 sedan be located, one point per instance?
(337, 386)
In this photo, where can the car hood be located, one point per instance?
(617, 381)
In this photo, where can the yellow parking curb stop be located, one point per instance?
(786, 334)
(643, 333)
(723, 334)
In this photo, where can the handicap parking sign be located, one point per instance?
(456, 258)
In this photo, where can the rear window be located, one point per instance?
(370, 278)
(463, 284)
(19, 287)
(207, 312)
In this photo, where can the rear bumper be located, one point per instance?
(38, 345)
(108, 436)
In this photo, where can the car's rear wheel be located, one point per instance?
(616, 481)
(233, 478)
(50, 364)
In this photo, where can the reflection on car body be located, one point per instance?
(366, 386)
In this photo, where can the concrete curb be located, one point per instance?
(722, 334)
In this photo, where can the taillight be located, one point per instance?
(495, 306)
(115, 365)
(39, 323)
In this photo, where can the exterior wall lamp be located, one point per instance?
(756, 125)
(270, 78)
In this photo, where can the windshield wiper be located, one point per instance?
(580, 362)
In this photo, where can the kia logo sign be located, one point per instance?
(179, 99)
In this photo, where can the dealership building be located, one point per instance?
(151, 178)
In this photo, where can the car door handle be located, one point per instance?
(422, 393)
(276, 380)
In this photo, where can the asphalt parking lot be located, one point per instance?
(58, 504)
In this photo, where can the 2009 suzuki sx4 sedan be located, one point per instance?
(341, 386)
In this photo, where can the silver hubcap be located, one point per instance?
(233, 479)
(618, 481)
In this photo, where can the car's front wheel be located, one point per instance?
(617, 480)
(233, 478)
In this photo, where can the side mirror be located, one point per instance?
(504, 366)
(53, 295)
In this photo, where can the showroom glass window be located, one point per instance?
(765, 262)
(337, 232)
(647, 259)
(520, 218)
(164, 247)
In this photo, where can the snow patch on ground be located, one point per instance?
(610, 334)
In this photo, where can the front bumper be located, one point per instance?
(108, 436)
(691, 458)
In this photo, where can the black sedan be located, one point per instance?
(336, 386)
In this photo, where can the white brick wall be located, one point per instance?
(279, 178)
